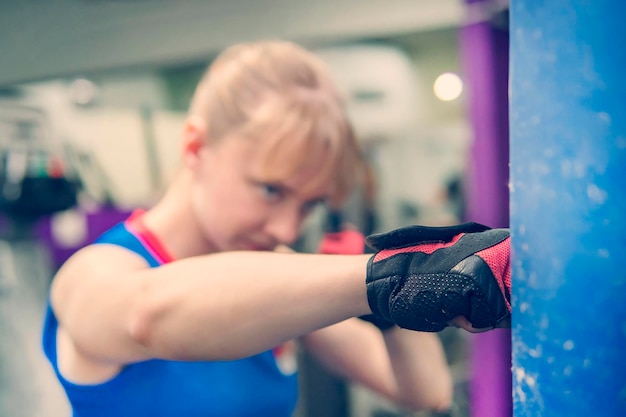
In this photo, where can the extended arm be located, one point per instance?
(221, 306)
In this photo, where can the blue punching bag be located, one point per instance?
(568, 207)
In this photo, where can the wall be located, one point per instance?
(61, 37)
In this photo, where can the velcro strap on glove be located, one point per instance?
(413, 235)
(422, 277)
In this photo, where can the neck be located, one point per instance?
(174, 222)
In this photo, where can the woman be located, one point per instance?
(188, 309)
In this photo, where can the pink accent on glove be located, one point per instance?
(427, 248)
(498, 258)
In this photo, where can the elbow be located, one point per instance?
(441, 403)
(432, 404)
(439, 399)
(145, 328)
(442, 400)
(436, 404)
(158, 327)
(141, 327)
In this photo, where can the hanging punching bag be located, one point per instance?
(568, 202)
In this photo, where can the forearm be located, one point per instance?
(420, 369)
(245, 302)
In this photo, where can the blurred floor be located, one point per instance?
(28, 387)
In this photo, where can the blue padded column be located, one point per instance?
(568, 207)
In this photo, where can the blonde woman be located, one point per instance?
(186, 309)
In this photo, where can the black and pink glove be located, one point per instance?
(423, 277)
(351, 242)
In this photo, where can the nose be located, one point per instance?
(284, 225)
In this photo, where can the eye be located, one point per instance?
(271, 192)
(310, 205)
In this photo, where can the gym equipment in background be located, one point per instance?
(35, 182)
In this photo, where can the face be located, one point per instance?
(239, 209)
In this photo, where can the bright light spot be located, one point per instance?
(83, 92)
(69, 228)
(448, 86)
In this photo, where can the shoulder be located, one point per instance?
(91, 263)
(102, 258)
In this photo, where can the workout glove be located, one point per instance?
(422, 277)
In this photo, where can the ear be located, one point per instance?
(194, 136)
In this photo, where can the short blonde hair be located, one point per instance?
(280, 92)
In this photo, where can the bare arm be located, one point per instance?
(420, 369)
(407, 367)
(221, 306)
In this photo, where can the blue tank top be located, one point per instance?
(260, 385)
